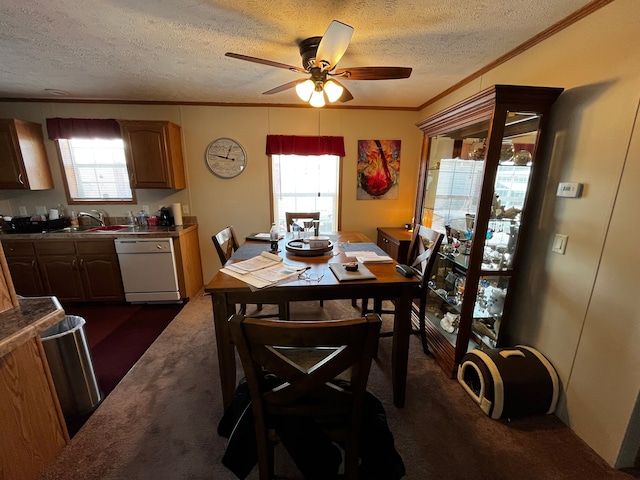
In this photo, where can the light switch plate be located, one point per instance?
(568, 189)
(559, 244)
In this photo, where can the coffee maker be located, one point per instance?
(165, 219)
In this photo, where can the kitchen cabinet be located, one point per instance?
(154, 153)
(23, 159)
(480, 183)
(21, 260)
(188, 263)
(395, 242)
(80, 271)
(33, 428)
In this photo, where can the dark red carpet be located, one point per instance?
(118, 335)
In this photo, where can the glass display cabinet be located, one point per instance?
(480, 184)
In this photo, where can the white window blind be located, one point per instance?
(96, 170)
(306, 183)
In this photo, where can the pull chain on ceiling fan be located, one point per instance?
(320, 56)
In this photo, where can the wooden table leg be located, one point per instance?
(400, 351)
(226, 352)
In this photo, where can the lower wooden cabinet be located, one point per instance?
(73, 271)
(395, 242)
(33, 428)
(23, 266)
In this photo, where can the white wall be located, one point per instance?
(242, 201)
(581, 309)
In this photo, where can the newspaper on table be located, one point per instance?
(261, 271)
(369, 257)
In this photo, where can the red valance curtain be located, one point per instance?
(299, 145)
(105, 128)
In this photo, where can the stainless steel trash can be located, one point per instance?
(69, 358)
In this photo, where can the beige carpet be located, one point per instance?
(160, 421)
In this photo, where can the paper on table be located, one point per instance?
(264, 260)
(369, 257)
(264, 277)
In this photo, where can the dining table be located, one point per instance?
(227, 292)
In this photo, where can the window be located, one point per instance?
(306, 183)
(92, 160)
(95, 170)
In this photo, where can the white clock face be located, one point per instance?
(225, 158)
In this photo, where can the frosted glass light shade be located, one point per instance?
(305, 89)
(333, 90)
(317, 99)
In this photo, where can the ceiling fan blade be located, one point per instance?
(333, 45)
(284, 87)
(372, 73)
(265, 62)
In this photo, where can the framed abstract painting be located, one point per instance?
(378, 169)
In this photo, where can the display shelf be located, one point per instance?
(479, 183)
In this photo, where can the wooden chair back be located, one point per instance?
(291, 216)
(226, 243)
(425, 244)
(271, 345)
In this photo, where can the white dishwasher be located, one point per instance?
(148, 269)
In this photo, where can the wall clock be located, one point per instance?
(225, 158)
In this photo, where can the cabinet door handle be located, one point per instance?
(74, 264)
(82, 263)
(33, 264)
(20, 179)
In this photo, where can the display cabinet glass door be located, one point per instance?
(477, 185)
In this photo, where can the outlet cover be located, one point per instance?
(185, 209)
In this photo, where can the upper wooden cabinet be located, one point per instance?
(154, 153)
(23, 158)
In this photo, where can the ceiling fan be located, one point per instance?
(319, 58)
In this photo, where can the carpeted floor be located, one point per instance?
(160, 421)
(118, 335)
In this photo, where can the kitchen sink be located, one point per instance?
(90, 229)
(108, 229)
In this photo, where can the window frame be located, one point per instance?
(94, 201)
(338, 192)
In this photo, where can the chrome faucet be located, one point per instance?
(99, 218)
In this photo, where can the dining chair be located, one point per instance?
(307, 357)
(425, 243)
(291, 216)
(226, 243)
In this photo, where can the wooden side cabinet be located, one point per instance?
(23, 158)
(395, 241)
(154, 153)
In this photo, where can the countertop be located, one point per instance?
(32, 316)
(151, 232)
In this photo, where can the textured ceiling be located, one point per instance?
(173, 50)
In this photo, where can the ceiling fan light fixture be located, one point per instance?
(333, 90)
(305, 89)
(317, 99)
